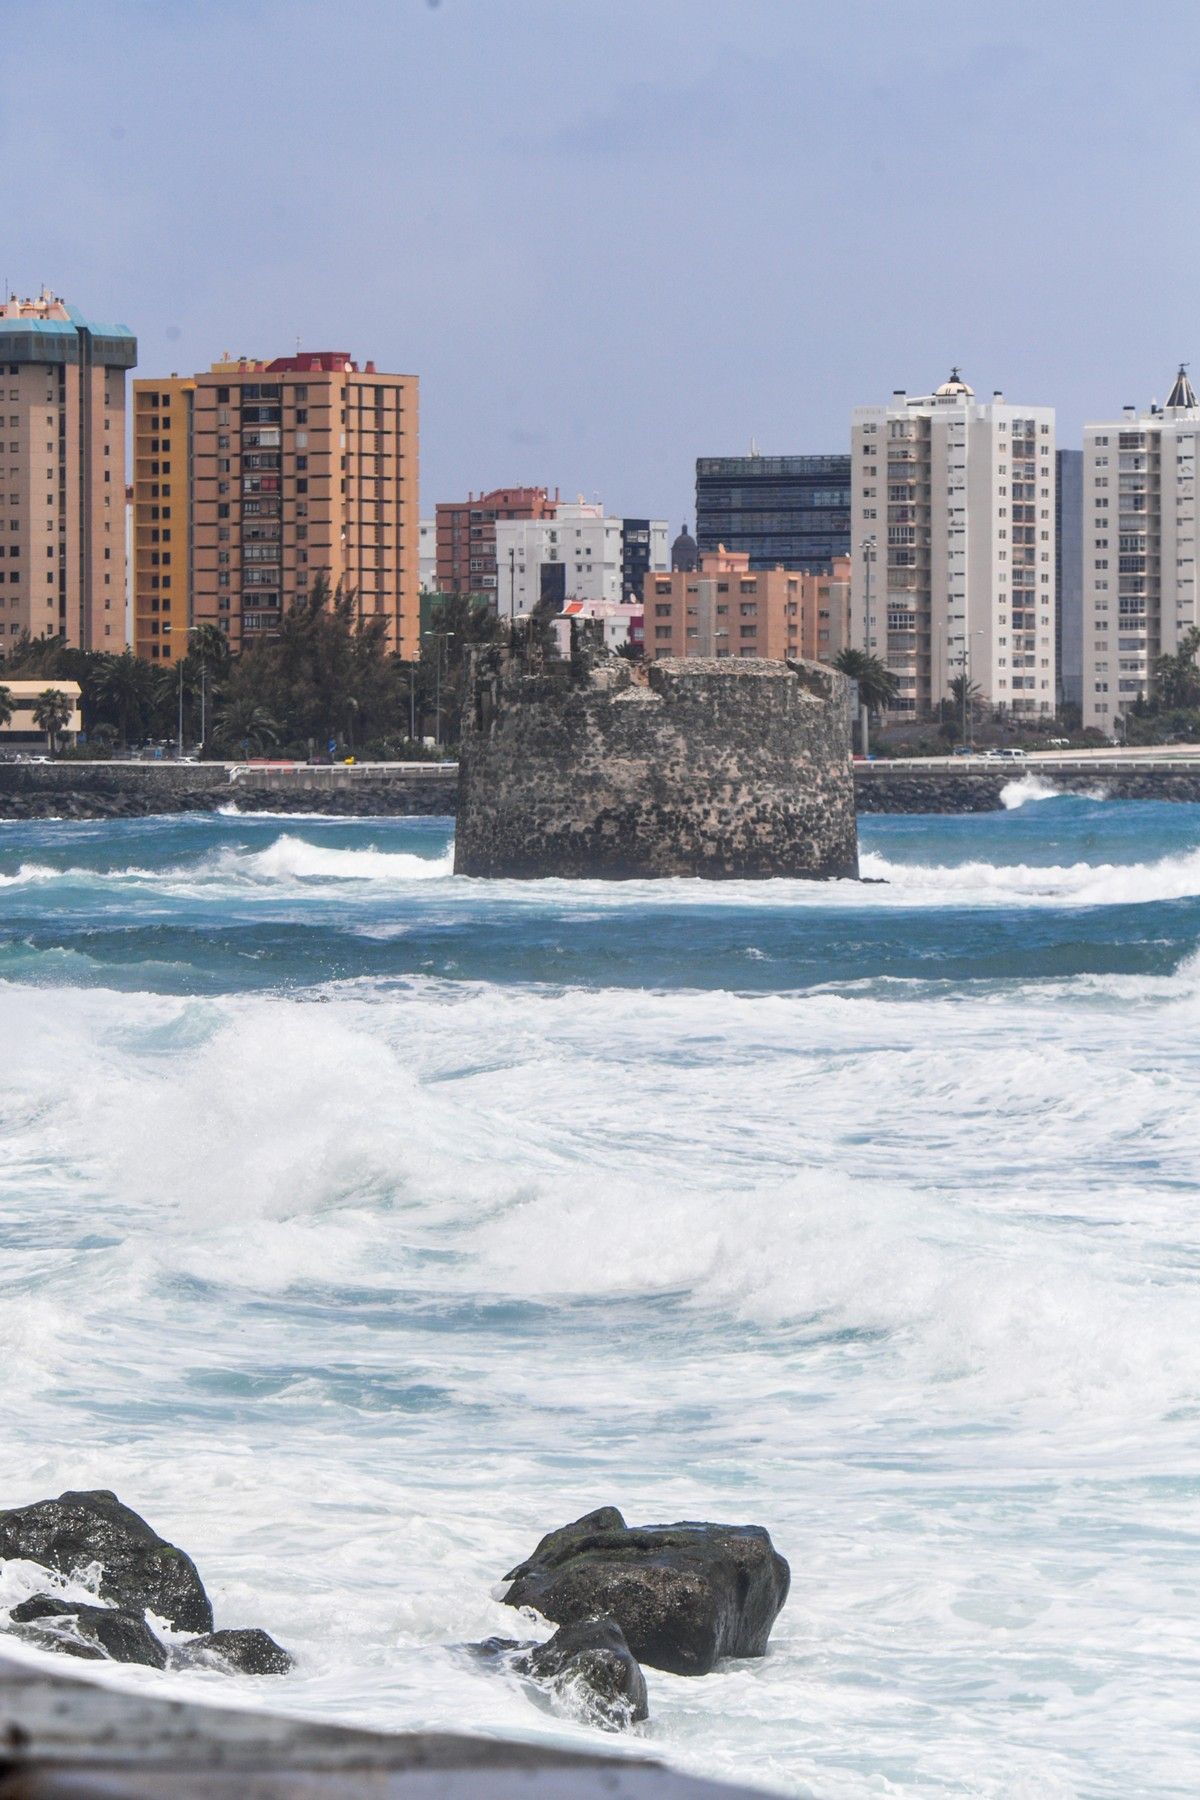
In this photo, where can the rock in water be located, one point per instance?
(684, 1595)
(250, 1652)
(139, 1570)
(592, 1672)
(92, 1632)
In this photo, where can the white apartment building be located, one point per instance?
(579, 554)
(427, 554)
(952, 528)
(1140, 591)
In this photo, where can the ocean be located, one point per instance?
(358, 1224)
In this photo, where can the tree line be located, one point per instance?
(326, 678)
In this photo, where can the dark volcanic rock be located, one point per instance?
(139, 1570)
(587, 1668)
(684, 1595)
(590, 1668)
(92, 1632)
(249, 1651)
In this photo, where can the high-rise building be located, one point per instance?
(466, 535)
(953, 536)
(62, 474)
(1068, 576)
(255, 478)
(783, 511)
(581, 553)
(1140, 585)
(643, 547)
(724, 608)
(161, 531)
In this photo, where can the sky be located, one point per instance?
(612, 237)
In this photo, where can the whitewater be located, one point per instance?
(359, 1223)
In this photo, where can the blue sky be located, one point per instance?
(610, 237)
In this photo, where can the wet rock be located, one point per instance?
(139, 1570)
(684, 1595)
(248, 1652)
(587, 1669)
(592, 1672)
(92, 1632)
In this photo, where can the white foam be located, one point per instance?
(1015, 794)
(1073, 884)
(293, 857)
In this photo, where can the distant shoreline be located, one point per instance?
(131, 790)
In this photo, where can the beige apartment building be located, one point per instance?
(254, 478)
(723, 609)
(1141, 584)
(62, 474)
(952, 540)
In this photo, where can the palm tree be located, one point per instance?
(51, 711)
(244, 724)
(877, 686)
(124, 689)
(6, 707)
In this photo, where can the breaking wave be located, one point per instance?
(1015, 794)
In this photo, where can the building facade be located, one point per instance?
(161, 527)
(427, 555)
(781, 511)
(62, 474)
(578, 554)
(953, 547)
(466, 536)
(643, 547)
(726, 608)
(283, 472)
(1140, 590)
(621, 623)
(1068, 576)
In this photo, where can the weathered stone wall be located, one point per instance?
(679, 767)
(78, 790)
(911, 789)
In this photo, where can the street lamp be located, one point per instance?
(437, 699)
(964, 657)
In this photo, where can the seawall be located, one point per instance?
(126, 790)
(916, 787)
(71, 790)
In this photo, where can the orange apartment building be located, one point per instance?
(254, 478)
(62, 474)
(724, 609)
(466, 535)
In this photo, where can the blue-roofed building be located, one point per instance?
(62, 474)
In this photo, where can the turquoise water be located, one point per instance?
(359, 1223)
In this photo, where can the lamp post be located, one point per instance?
(863, 714)
(437, 699)
(192, 631)
(964, 657)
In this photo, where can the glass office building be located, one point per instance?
(792, 511)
